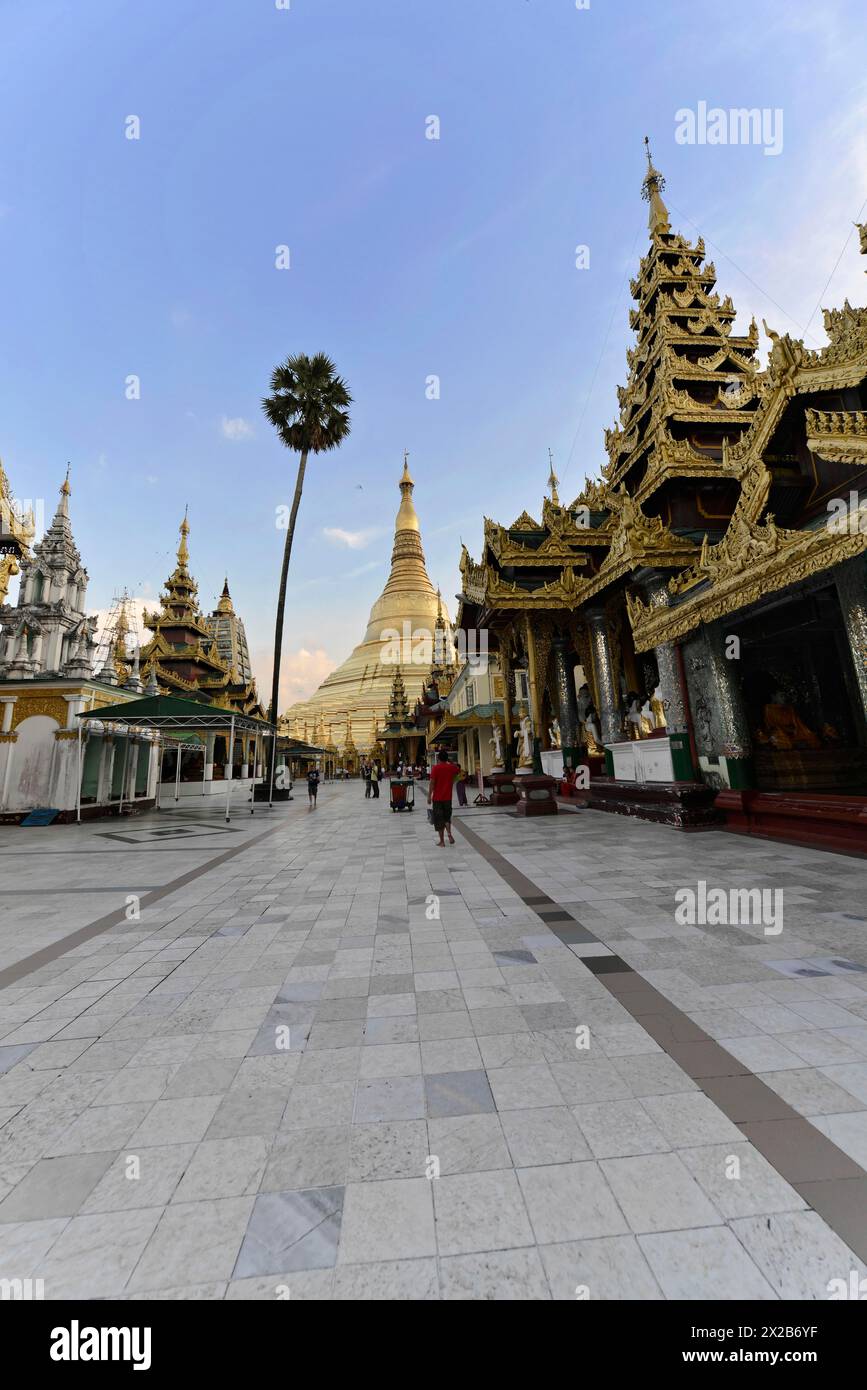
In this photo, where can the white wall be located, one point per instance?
(31, 776)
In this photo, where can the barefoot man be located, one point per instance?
(439, 795)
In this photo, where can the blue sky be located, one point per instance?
(410, 258)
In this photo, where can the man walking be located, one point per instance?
(312, 786)
(367, 774)
(461, 786)
(439, 795)
(374, 780)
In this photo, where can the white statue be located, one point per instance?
(497, 744)
(589, 718)
(525, 734)
(633, 714)
(554, 734)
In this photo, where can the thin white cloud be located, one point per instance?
(353, 540)
(236, 428)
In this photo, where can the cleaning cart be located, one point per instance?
(402, 794)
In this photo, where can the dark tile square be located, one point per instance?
(291, 1230)
(458, 1093)
(670, 1028)
(745, 1098)
(605, 965)
(708, 1061)
(842, 1203)
(800, 1153)
(572, 934)
(516, 957)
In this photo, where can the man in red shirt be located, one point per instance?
(439, 795)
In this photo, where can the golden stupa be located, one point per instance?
(355, 697)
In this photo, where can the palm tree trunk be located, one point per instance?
(281, 601)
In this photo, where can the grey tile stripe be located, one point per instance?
(28, 964)
(827, 1179)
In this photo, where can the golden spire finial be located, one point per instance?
(183, 550)
(63, 504)
(651, 191)
(553, 480)
(407, 518)
(224, 603)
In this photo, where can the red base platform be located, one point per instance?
(826, 821)
(536, 795)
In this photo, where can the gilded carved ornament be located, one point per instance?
(840, 436)
(595, 495)
(760, 560)
(54, 706)
(8, 567)
(525, 522)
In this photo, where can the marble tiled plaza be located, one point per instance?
(312, 1055)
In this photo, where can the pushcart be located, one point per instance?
(402, 794)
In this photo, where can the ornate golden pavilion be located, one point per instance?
(712, 581)
(184, 655)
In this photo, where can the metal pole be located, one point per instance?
(161, 747)
(204, 763)
(253, 789)
(273, 764)
(123, 771)
(80, 772)
(229, 774)
(178, 772)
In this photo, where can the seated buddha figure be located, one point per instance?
(784, 727)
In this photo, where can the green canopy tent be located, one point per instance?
(182, 720)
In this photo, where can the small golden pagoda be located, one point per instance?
(183, 653)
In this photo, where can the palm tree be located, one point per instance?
(309, 409)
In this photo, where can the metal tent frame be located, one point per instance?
(166, 712)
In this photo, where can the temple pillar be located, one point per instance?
(728, 698)
(210, 740)
(131, 769)
(7, 747)
(106, 770)
(508, 734)
(73, 705)
(567, 704)
(667, 663)
(535, 694)
(609, 718)
(8, 703)
(850, 580)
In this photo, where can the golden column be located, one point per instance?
(532, 677)
(506, 668)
